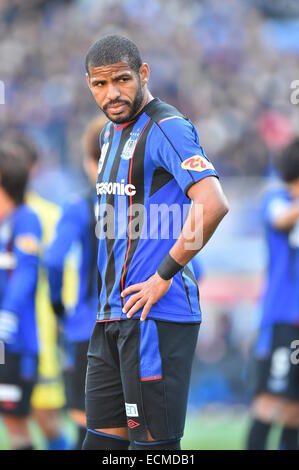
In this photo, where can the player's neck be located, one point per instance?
(148, 97)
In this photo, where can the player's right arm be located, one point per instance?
(68, 230)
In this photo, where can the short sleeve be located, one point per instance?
(179, 152)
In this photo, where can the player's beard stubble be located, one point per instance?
(134, 107)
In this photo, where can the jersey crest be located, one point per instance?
(130, 145)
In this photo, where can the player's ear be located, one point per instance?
(144, 73)
(87, 79)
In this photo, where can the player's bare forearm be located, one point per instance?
(208, 209)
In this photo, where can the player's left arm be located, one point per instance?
(208, 209)
(198, 179)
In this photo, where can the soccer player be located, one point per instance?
(142, 346)
(76, 228)
(20, 235)
(48, 395)
(276, 377)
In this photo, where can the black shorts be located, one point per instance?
(75, 374)
(17, 378)
(277, 372)
(138, 377)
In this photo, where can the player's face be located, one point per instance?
(118, 90)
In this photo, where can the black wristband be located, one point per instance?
(168, 268)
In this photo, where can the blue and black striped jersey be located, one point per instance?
(145, 170)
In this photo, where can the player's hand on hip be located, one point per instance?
(145, 295)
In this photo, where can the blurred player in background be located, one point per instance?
(76, 227)
(20, 237)
(277, 379)
(48, 394)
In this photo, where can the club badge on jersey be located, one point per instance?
(130, 145)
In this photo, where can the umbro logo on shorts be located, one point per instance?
(133, 424)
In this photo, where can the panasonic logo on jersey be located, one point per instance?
(121, 189)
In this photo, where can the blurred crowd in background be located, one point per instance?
(229, 66)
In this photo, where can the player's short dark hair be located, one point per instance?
(14, 173)
(91, 136)
(112, 49)
(29, 149)
(288, 163)
(23, 146)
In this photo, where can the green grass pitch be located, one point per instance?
(207, 430)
